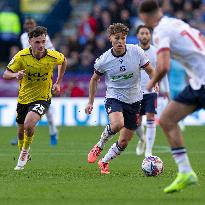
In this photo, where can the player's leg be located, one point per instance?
(16, 140)
(169, 119)
(107, 134)
(119, 146)
(150, 104)
(52, 127)
(126, 133)
(140, 148)
(114, 111)
(29, 126)
(150, 133)
(20, 134)
(116, 149)
(34, 112)
(174, 93)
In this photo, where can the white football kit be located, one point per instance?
(152, 56)
(186, 44)
(122, 73)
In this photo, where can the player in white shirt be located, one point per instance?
(175, 37)
(149, 101)
(121, 66)
(29, 24)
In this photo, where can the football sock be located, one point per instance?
(106, 135)
(27, 142)
(112, 153)
(150, 136)
(52, 126)
(181, 158)
(140, 132)
(20, 144)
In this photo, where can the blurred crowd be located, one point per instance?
(89, 40)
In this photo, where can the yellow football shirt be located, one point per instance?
(37, 83)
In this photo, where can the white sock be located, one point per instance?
(52, 126)
(106, 135)
(181, 158)
(112, 153)
(150, 136)
(140, 132)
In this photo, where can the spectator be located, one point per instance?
(86, 62)
(125, 17)
(87, 26)
(10, 28)
(101, 46)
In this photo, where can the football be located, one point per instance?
(152, 166)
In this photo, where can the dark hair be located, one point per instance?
(117, 28)
(37, 31)
(29, 19)
(143, 26)
(148, 6)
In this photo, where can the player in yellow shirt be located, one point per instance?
(33, 68)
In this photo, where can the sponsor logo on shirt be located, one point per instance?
(122, 77)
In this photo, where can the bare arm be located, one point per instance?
(61, 71)
(92, 90)
(149, 70)
(9, 75)
(163, 64)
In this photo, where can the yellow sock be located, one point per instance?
(27, 142)
(20, 144)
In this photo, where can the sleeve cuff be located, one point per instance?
(163, 49)
(98, 73)
(145, 65)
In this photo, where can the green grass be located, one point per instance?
(61, 174)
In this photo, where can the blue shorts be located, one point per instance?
(129, 111)
(192, 97)
(149, 103)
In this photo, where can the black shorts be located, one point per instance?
(129, 111)
(192, 97)
(149, 103)
(40, 107)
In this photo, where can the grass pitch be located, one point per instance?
(61, 174)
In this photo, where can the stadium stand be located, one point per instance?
(78, 27)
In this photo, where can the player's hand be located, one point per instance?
(150, 85)
(56, 89)
(88, 108)
(166, 95)
(156, 87)
(20, 74)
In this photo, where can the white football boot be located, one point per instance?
(22, 160)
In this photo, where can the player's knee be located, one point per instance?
(117, 126)
(150, 116)
(29, 129)
(165, 123)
